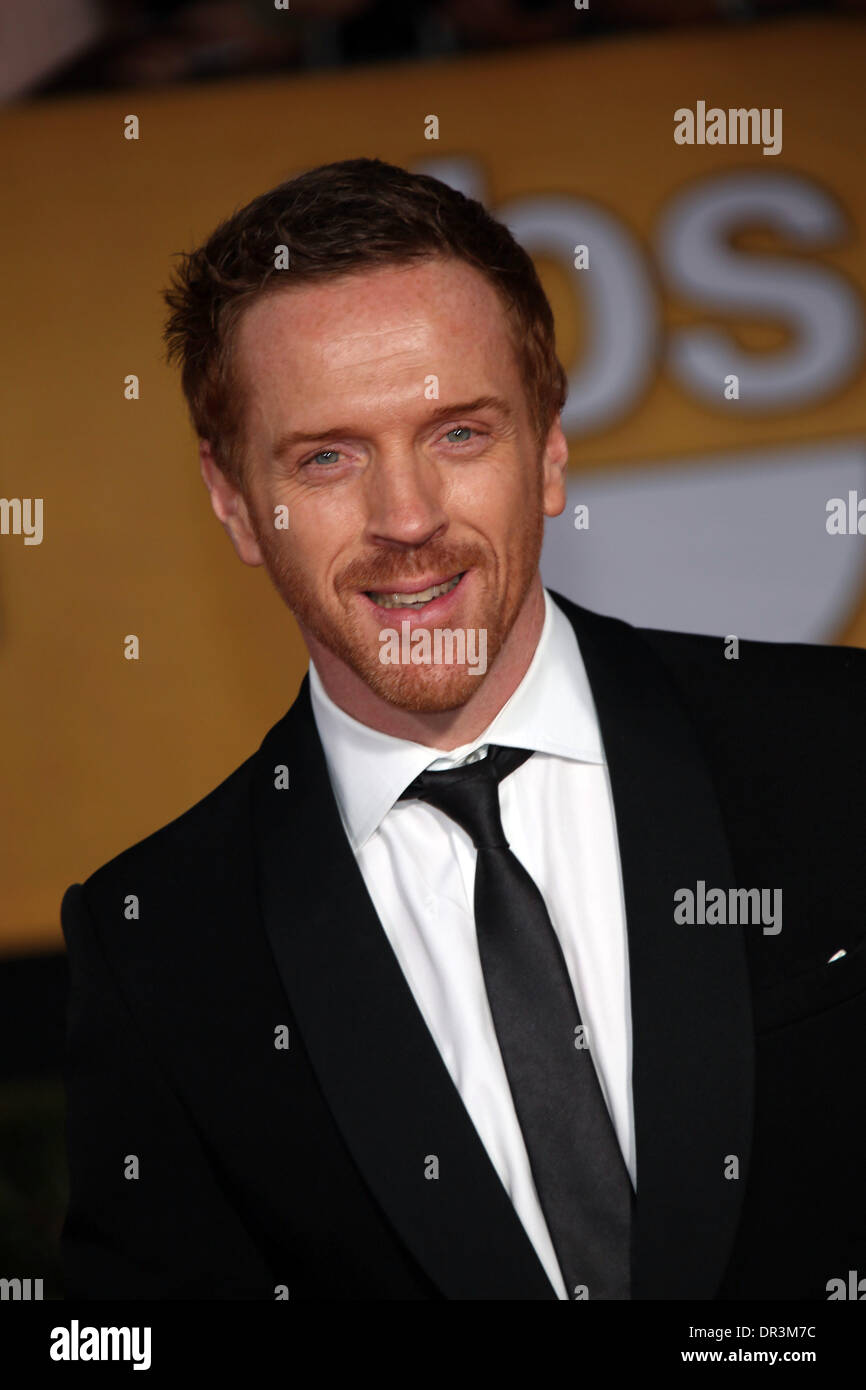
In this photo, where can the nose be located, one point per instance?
(404, 500)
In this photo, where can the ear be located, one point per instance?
(229, 507)
(554, 464)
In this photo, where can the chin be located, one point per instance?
(428, 690)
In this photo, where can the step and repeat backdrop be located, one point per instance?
(696, 207)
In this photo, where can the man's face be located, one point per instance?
(402, 483)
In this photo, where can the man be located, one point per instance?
(526, 968)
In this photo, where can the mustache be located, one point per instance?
(382, 573)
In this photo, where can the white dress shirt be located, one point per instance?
(419, 868)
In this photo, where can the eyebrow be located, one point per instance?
(289, 438)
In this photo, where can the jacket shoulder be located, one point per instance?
(716, 672)
(205, 832)
(781, 720)
(802, 687)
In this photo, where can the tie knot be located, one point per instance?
(470, 794)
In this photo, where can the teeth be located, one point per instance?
(415, 600)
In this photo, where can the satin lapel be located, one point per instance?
(692, 1069)
(378, 1066)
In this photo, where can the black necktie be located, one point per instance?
(580, 1176)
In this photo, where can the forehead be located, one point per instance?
(373, 329)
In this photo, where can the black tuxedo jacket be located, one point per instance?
(207, 1162)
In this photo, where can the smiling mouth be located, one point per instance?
(396, 599)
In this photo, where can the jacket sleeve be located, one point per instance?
(147, 1217)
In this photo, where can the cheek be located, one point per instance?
(483, 491)
(320, 544)
(497, 504)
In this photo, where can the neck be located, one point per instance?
(450, 728)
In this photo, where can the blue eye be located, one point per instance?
(335, 452)
(465, 429)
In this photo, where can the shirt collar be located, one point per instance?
(551, 711)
